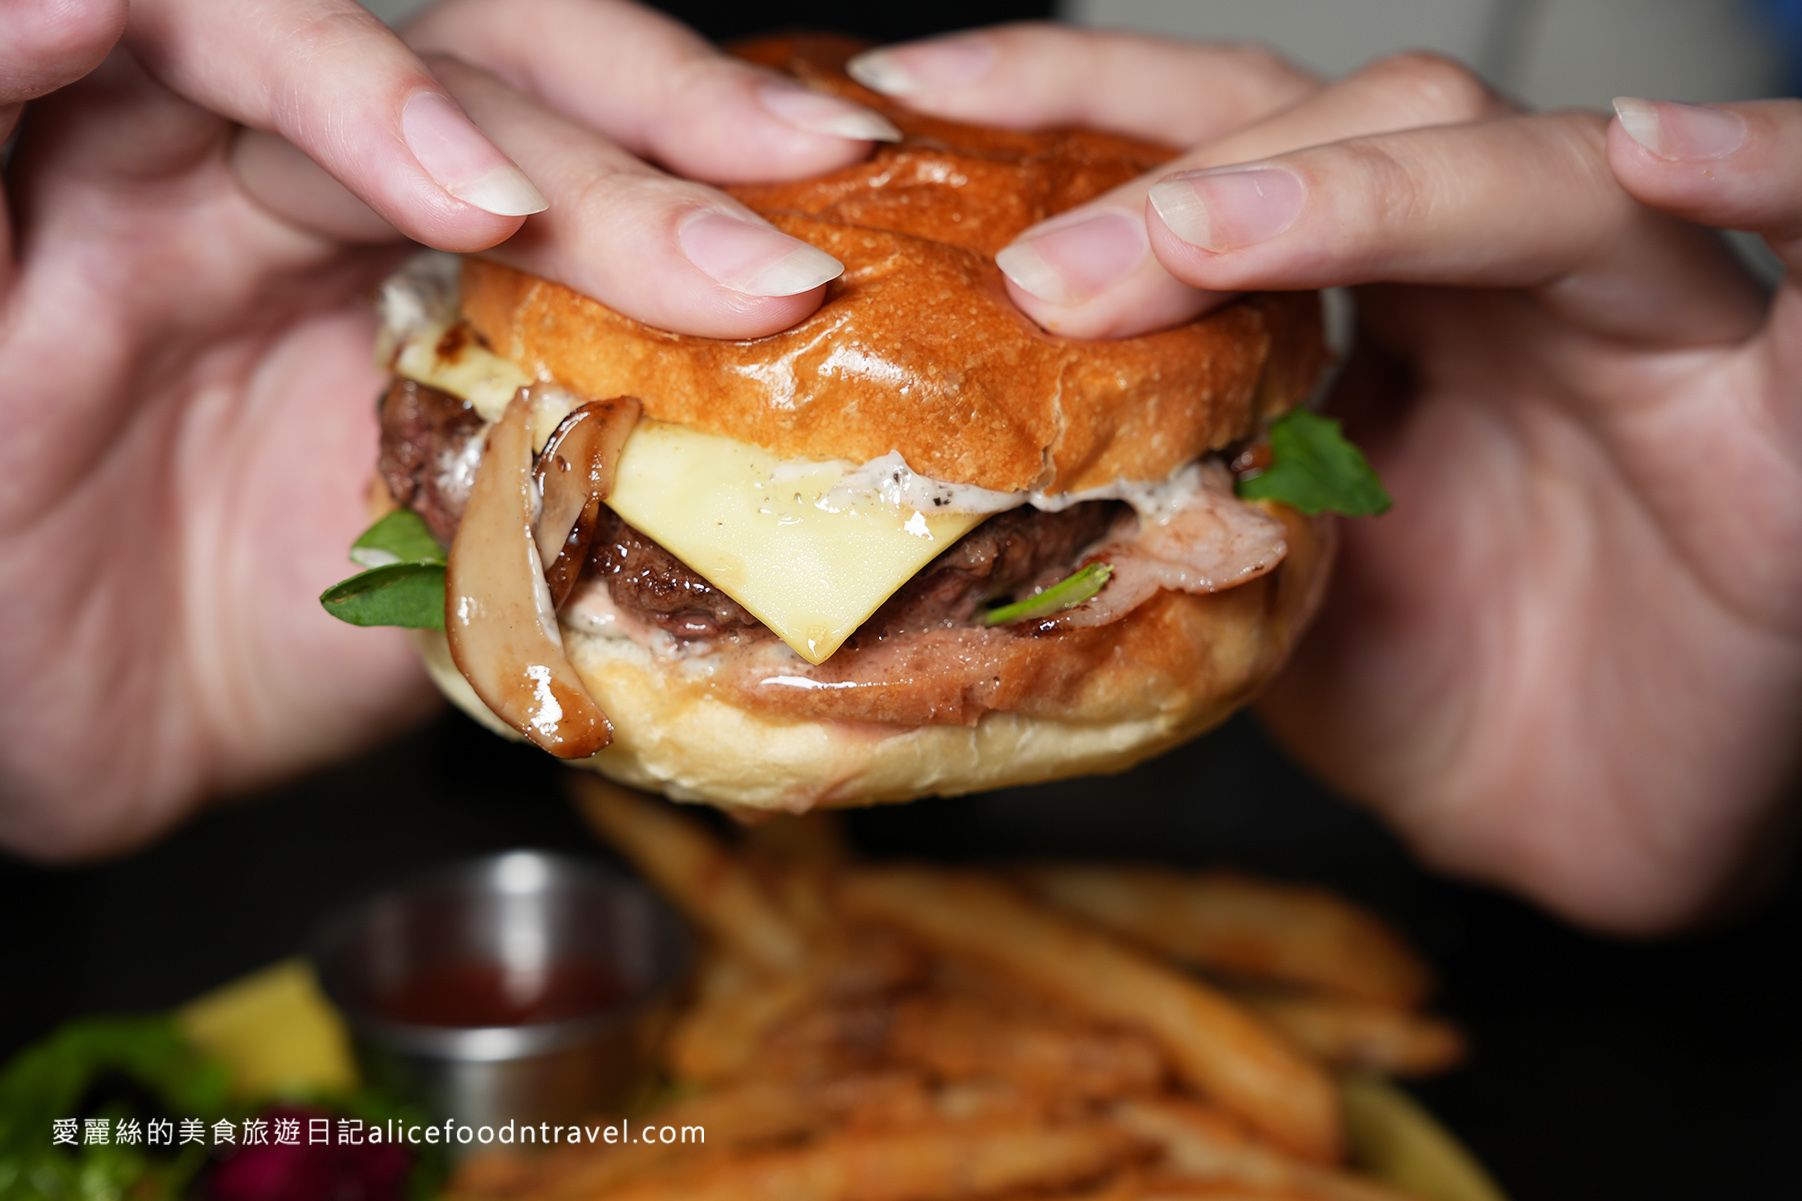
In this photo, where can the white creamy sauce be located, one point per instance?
(889, 480)
(590, 610)
(457, 470)
(805, 684)
(417, 302)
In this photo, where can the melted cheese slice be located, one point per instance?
(758, 530)
(477, 374)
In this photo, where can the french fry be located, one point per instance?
(910, 1034)
(1359, 1034)
(753, 1111)
(1203, 1145)
(704, 879)
(1236, 923)
(1210, 1042)
(815, 839)
(883, 1099)
(959, 1038)
(738, 1011)
(495, 1174)
(953, 1038)
(829, 1040)
(865, 962)
(1156, 1188)
(1207, 1190)
(719, 1037)
(990, 1099)
(1122, 1186)
(802, 892)
(942, 1162)
(736, 1117)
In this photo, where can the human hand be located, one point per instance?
(1570, 659)
(186, 345)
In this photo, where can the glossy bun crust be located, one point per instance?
(918, 337)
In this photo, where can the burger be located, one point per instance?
(913, 545)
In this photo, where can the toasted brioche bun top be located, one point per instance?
(917, 347)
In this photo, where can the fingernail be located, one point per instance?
(1230, 207)
(1072, 262)
(940, 63)
(758, 260)
(811, 112)
(1681, 131)
(461, 160)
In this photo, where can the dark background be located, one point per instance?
(1602, 1069)
(877, 20)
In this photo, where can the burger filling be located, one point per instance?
(431, 443)
(844, 591)
(932, 651)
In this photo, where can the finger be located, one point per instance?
(1090, 273)
(1041, 75)
(1521, 202)
(328, 77)
(1735, 166)
(672, 253)
(655, 88)
(45, 44)
(281, 177)
(125, 226)
(100, 153)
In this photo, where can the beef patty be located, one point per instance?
(426, 453)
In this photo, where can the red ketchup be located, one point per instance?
(464, 995)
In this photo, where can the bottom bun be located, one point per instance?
(1184, 663)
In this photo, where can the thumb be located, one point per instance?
(1732, 166)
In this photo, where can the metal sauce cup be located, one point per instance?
(525, 987)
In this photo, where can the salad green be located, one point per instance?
(1067, 593)
(128, 1073)
(404, 581)
(1315, 469)
(114, 1068)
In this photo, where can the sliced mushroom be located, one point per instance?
(497, 609)
(574, 475)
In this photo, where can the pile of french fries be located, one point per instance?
(882, 1033)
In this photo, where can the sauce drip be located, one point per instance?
(465, 995)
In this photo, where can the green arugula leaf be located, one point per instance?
(399, 594)
(404, 585)
(1065, 594)
(400, 537)
(1314, 469)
